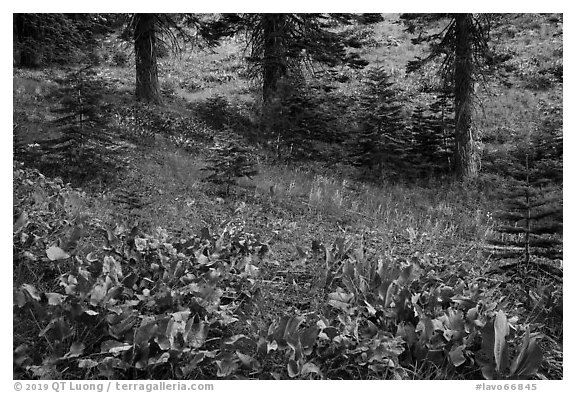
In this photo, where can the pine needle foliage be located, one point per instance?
(531, 218)
(44, 39)
(381, 142)
(287, 46)
(433, 142)
(442, 44)
(304, 119)
(84, 147)
(229, 162)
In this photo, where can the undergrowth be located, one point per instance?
(120, 301)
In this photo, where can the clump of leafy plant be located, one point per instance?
(494, 356)
(391, 316)
(46, 213)
(138, 305)
(230, 161)
(146, 320)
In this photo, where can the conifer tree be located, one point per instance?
(280, 45)
(432, 131)
(84, 148)
(462, 47)
(465, 156)
(531, 217)
(230, 160)
(44, 39)
(381, 141)
(145, 48)
(149, 32)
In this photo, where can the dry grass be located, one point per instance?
(429, 218)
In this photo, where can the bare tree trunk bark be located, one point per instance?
(147, 87)
(465, 156)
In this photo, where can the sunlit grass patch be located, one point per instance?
(419, 214)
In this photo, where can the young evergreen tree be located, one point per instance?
(531, 217)
(230, 160)
(306, 122)
(432, 132)
(84, 149)
(381, 144)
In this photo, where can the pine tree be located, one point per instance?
(462, 47)
(531, 229)
(44, 39)
(465, 156)
(84, 149)
(145, 48)
(275, 43)
(152, 33)
(282, 45)
(381, 141)
(230, 161)
(432, 132)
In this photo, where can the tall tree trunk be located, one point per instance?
(147, 87)
(274, 65)
(465, 160)
(26, 28)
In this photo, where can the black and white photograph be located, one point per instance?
(200, 197)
